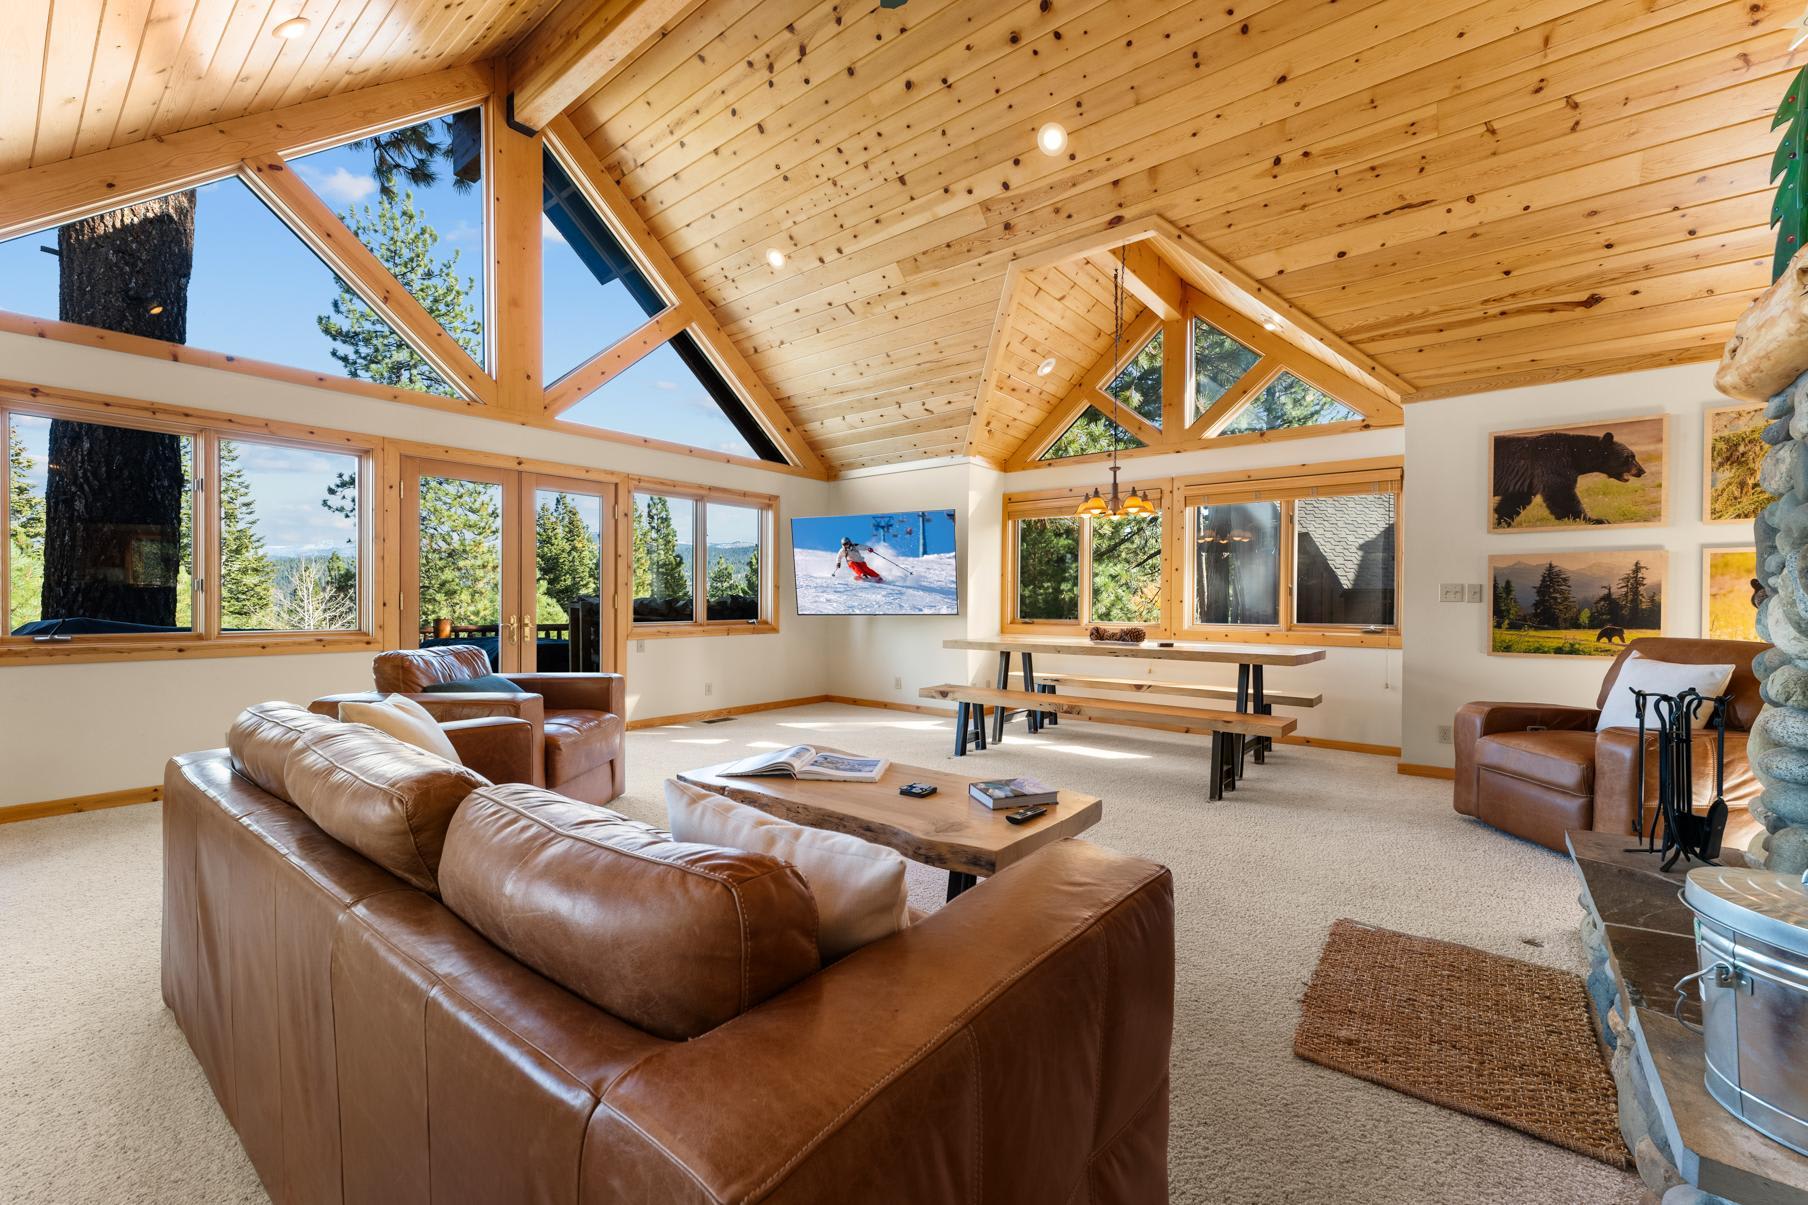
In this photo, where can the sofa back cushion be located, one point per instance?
(1681, 650)
(412, 671)
(262, 738)
(383, 797)
(672, 938)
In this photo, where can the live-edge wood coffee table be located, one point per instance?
(947, 830)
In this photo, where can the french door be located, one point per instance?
(520, 564)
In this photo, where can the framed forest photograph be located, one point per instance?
(1732, 449)
(1606, 474)
(1576, 604)
(1727, 577)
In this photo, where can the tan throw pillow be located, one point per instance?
(859, 887)
(404, 719)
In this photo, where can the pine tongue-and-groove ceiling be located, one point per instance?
(1459, 194)
(1472, 194)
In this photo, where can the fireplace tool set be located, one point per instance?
(1685, 834)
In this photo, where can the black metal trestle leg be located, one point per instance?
(1004, 683)
(1259, 706)
(1032, 720)
(963, 721)
(959, 881)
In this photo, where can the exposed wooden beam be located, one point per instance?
(607, 196)
(56, 193)
(1151, 279)
(595, 372)
(516, 213)
(578, 44)
(318, 226)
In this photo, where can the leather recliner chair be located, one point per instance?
(579, 720)
(1540, 770)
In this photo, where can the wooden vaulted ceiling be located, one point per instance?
(1438, 196)
(1473, 193)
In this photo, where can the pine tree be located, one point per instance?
(1606, 609)
(368, 348)
(670, 579)
(313, 603)
(247, 574)
(1634, 597)
(461, 551)
(342, 580)
(1048, 568)
(1126, 570)
(1553, 601)
(566, 555)
(750, 578)
(642, 554)
(1506, 604)
(26, 516)
(1137, 386)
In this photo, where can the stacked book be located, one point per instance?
(1000, 794)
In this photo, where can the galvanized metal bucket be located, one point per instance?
(1751, 943)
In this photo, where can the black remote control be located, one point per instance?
(917, 790)
(1024, 815)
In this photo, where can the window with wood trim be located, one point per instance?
(701, 558)
(147, 535)
(1305, 552)
(1072, 571)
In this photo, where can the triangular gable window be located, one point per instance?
(1219, 362)
(674, 394)
(1287, 402)
(1137, 386)
(592, 293)
(1092, 432)
(210, 267)
(409, 196)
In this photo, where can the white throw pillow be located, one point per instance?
(405, 720)
(1657, 677)
(859, 887)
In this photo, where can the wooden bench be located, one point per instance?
(971, 702)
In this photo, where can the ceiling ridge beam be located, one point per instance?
(575, 48)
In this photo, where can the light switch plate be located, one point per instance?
(1475, 592)
(1450, 592)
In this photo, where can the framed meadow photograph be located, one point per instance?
(1576, 604)
(1606, 474)
(1727, 577)
(1731, 452)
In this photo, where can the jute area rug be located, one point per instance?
(1485, 1035)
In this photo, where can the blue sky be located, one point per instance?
(825, 532)
(257, 290)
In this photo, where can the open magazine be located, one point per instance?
(803, 761)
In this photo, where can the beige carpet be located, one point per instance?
(100, 1100)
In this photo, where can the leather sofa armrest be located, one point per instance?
(1618, 798)
(1476, 720)
(578, 692)
(476, 705)
(906, 1071)
(501, 748)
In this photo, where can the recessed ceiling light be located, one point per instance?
(294, 27)
(1047, 366)
(776, 258)
(1051, 139)
(1271, 324)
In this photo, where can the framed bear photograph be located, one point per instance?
(1728, 581)
(1605, 474)
(1575, 604)
(1731, 452)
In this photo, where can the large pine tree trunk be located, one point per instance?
(113, 501)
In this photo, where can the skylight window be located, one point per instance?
(410, 196)
(212, 267)
(1287, 402)
(1137, 386)
(674, 394)
(592, 292)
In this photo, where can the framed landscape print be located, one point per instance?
(1576, 604)
(1726, 593)
(1732, 451)
(1607, 474)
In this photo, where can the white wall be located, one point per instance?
(1361, 686)
(78, 729)
(1447, 497)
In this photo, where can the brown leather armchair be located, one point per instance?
(579, 720)
(1540, 770)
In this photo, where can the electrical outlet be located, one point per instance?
(1475, 592)
(640, 646)
(1450, 592)
(709, 688)
(897, 683)
(1444, 734)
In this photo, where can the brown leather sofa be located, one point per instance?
(401, 999)
(1540, 770)
(578, 720)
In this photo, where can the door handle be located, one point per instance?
(514, 629)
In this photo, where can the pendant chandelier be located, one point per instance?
(1132, 504)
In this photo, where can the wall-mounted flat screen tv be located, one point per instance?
(897, 563)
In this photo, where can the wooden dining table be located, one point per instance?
(1250, 660)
